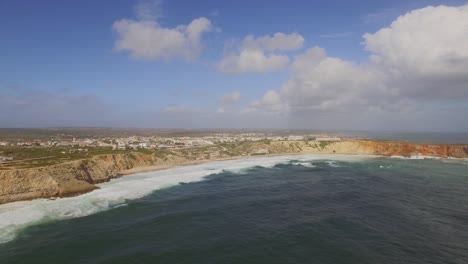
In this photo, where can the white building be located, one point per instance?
(295, 137)
(328, 139)
(3, 159)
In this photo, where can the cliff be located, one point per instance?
(80, 176)
(72, 178)
(392, 149)
(361, 147)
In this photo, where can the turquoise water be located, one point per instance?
(320, 209)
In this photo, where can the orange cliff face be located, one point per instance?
(384, 148)
(80, 176)
(413, 149)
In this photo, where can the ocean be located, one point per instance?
(291, 209)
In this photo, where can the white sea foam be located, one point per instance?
(385, 166)
(18, 215)
(416, 157)
(456, 161)
(422, 157)
(303, 163)
(333, 164)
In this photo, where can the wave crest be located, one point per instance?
(19, 215)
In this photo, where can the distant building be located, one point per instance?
(201, 142)
(143, 145)
(328, 139)
(3, 159)
(134, 146)
(165, 146)
(104, 144)
(276, 138)
(295, 137)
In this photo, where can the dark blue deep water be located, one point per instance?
(370, 211)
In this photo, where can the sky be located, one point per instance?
(322, 65)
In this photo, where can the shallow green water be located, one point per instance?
(299, 211)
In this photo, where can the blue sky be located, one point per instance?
(56, 52)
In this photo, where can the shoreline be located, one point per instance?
(154, 168)
(151, 168)
(82, 176)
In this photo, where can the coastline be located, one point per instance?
(117, 192)
(182, 185)
(83, 176)
(144, 169)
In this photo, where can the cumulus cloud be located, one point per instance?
(229, 99)
(425, 52)
(322, 83)
(147, 39)
(260, 54)
(421, 58)
(253, 61)
(271, 102)
(279, 41)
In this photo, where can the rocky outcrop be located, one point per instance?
(390, 149)
(71, 178)
(80, 176)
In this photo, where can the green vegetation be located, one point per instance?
(162, 153)
(298, 146)
(31, 157)
(323, 144)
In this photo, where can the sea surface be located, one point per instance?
(296, 209)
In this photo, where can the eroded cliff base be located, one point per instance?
(81, 176)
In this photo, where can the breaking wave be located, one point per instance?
(332, 163)
(16, 216)
(303, 163)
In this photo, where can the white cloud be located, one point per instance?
(271, 102)
(253, 61)
(421, 58)
(260, 54)
(322, 83)
(229, 99)
(149, 9)
(425, 52)
(147, 39)
(326, 83)
(279, 41)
